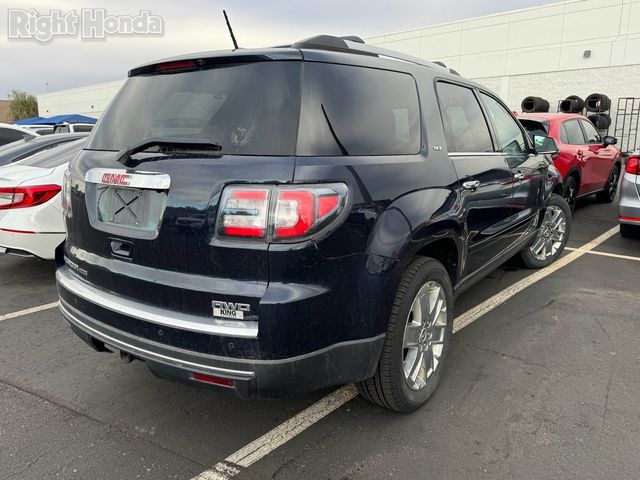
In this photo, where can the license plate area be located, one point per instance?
(134, 210)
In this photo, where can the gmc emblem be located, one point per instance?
(116, 178)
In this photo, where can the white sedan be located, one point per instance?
(31, 219)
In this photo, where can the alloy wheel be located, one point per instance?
(550, 235)
(424, 335)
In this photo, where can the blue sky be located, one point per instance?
(198, 25)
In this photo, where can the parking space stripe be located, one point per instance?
(28, 311)
(611, 255)
(499, 298)
(281, 434)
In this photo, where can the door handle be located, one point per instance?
(519, 176)
(471, 185)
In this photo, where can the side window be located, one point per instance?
(465, 127)
(8, 135)
(592, 134)
(572, 133)
(349, 110)
(510, 137)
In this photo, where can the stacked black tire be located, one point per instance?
(598, 104)
(535, 105)
(572, 104)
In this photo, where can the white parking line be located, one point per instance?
(611, 255)
(281, 434)
(48, 306)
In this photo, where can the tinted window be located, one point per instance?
(21, 149)
(465, 127)
(250, 109)
(60, 154)
(510, 136)
(572, 133)
(592, 134)
(363, 110)
(8, 135)
(533, 127)
(82, 128)
(61, 129)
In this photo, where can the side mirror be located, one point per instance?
(544, 145)
(609, 140)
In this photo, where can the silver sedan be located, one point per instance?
(629, 207)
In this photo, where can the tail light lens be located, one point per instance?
(66, 194)
(633, 165)
(280, 213)
(23, 197)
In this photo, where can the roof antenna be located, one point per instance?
(233, 38)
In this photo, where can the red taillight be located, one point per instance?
(176, 66)
(295, 213)
(633, 165)
(245, 213)
(23, 197)
(279, 213)
(223, 382)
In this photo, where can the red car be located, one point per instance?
(588, 163)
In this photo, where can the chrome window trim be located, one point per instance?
(148, 313)
(486, 154)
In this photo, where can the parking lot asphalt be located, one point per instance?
(543, 386)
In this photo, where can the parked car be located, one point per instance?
(588, 163)
(21, 149)
(31, 221)
(40, 129)
(256, 229)
(66, 127)
(629, 206)
(13, 133)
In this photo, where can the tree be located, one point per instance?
(23, 105)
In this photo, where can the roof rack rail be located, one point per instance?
(329, 42)
(353, 38)
(383, 52)
(353, 44)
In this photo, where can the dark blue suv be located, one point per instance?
(277, 221)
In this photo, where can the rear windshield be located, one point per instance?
(261, 109)
(535, 127)
(249, 109)
(54, 157)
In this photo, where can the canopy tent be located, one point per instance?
(29, 121)
(56, 119)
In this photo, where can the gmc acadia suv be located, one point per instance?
(282, 220)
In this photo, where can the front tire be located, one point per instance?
(553, 235)
(417, 339)
(608, 195)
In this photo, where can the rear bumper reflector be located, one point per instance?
(223, 382)
(629, 219)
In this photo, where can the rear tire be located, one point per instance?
(570, 192)
(553, 235)
(608, 195)
(420, 326)
(629, 231)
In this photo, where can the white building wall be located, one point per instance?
(539, 51)
(90, 100)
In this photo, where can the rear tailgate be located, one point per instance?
(182, 266)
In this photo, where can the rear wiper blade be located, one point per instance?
(183, 144)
